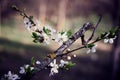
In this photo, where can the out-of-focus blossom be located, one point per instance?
(54, 68)
(11, 76)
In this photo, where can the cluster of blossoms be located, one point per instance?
(92, 49)
(25, 69)
(110, 36)
(109, 39)
(11, 76)
(63, 65)
(46, 34)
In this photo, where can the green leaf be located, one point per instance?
(112, 33)
(47, 31)
(69, 65)
(69, 33)
(33, 61)
(35, 41)
(89, 45)
(28, 71)
(34, 35)
(31, 17)
(62, 32)
(103, 35)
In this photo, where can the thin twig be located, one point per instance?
(79, 48)
(94, 29)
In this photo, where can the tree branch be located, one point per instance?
(68, 43)
(94, 29)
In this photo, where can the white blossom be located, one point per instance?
(69, 57)
(38, 62)
(31, 68)
(54, 68)
(61, 38)
(22, 70)
(74, 55)
(92, 49)
(27, 23)
(11, 76)
(46, 39)
(111, 40)
(106, 40)
(63, 62)
(26, 66)
(52, 31)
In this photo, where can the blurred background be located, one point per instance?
(17, 48)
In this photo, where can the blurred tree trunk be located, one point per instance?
(115, 55)
(61, 14)
(116, 59)
(42, 11)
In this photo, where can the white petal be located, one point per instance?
(14, 77)
(93, 49)
(9, 73)
(38, 62)
(111, 41)
(62, 62)
(74, 55)
(54, 61)
(22, 70)
(31, 68)
(51, 64)
(26, 20)
(54, 70)
(26, 66)
(106, 40)
(68, 57)
(115, 37)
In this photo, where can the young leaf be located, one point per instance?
(69, 65)
(89, 45)
(62, 32)
(69, 33)
(34, 35)
(47, 31)
(31, 17)
(103, 35)
(35, 40)
(33, 61)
